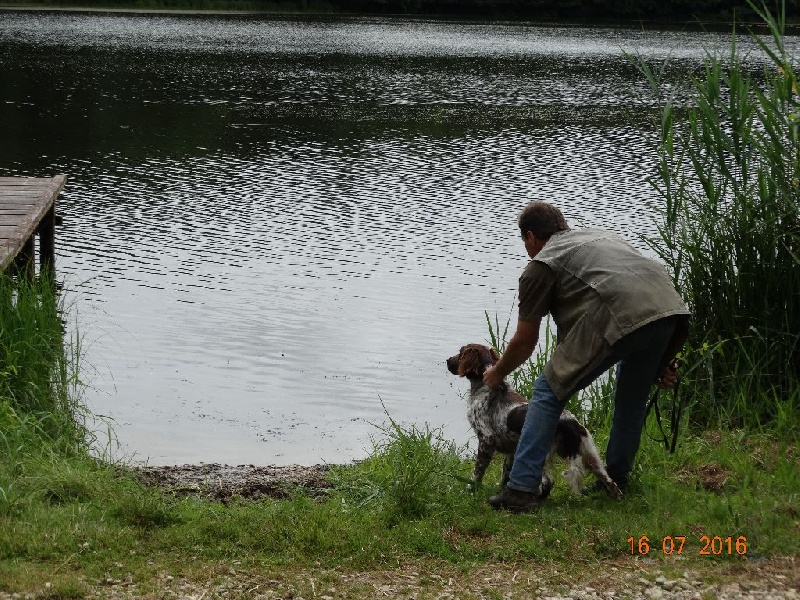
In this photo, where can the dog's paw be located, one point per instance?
(546, 486)
(614, 490)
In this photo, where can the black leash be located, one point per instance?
(675, 417)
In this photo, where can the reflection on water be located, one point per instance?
(275, 228)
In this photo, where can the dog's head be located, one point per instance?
(472, 360)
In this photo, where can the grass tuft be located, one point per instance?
(409, 474)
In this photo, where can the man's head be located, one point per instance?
(537, 222)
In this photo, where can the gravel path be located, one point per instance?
(635, 579)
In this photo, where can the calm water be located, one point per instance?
(278, 229)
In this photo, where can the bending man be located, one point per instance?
(612, 306)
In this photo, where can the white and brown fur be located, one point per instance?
(497, 415)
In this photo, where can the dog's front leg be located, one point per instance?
(508, 463)
(482, 460)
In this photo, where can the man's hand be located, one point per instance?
(668, 379)
(519, 349)
(492, 378)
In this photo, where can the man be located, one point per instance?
(611, 306)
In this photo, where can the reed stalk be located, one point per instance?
(729, 230)
(36, 375)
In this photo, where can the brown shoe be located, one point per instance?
(515, 501)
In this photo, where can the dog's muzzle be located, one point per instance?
(452, 365)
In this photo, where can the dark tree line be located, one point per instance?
(702, 12)
(575, 10)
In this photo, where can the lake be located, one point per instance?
(276, 229)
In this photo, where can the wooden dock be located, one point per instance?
(27, 208)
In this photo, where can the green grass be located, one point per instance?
(407, 502)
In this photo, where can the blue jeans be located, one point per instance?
(637, 356)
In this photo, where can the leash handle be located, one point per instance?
(675, 418)
(677, 413)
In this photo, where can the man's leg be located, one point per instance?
(641, 352)
(536, 438)
(523, 492)
(638, 354)
(539, 429)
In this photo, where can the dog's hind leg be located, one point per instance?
(546, 486)
(592, 461)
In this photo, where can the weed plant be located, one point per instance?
(37, 413)
(407, 474)
(729, 231)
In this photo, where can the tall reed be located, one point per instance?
(35, 372)
(729, 229)
(523, 378)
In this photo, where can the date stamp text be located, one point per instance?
(675, 545)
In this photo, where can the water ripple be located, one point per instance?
(277, 228)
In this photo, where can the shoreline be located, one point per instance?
(221, 482)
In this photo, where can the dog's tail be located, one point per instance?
(574, 475)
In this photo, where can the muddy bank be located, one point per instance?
(224, 482)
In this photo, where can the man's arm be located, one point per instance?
(519, 349)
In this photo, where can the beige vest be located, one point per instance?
(605, 289)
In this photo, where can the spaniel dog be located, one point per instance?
(497, 415)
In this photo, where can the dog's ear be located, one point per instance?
(475, 359)
(495, 356)
(470, 361)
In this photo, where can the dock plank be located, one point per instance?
(24, 203)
